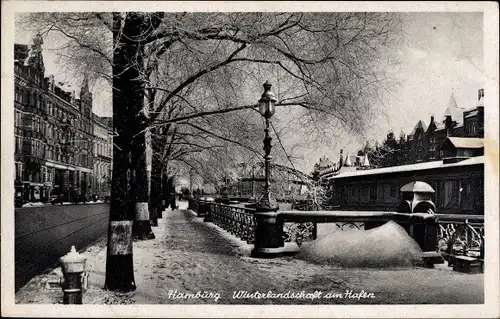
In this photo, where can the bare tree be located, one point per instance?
(197, 68)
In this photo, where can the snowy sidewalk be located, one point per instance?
(192, 262)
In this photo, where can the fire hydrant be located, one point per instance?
(73, 267)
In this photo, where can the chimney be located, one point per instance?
(480, 98)
(72, 97)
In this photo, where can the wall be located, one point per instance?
(43, 234)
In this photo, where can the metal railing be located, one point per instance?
(460, 235)
(456, 234)
(301, 226)
(239, 221)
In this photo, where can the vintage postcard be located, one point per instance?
(250, 159)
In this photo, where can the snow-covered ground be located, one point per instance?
(385, 246)
(192, 262)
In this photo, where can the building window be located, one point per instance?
(394, 191)
(19, 144)
(17, 119)
(465, 191)
(373, 192)
(432, 146)
(451, 193)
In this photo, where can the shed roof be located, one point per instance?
(410, 167)
(466, 142)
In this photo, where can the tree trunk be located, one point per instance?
(142, 227)
(165, 191)
(141, 157)
(119, 261)
(155, 202)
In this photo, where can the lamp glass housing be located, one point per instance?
(267, 101)
(267, 107)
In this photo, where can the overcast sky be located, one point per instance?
(442, 53)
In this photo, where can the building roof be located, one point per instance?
(410, 167)
(466, 142)
(421, 124)
(366, 162)
(454, 111)
(439, 126)
(350, 160)
(480, 102)
(324, 162)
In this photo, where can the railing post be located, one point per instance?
(424, 231)
(268, 235)
(201, 207)
(208, 211)
(193, 204)
(422, 227)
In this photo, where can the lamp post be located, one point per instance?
(253, 181)
(267, 104)
(191, 181)
(269, 230)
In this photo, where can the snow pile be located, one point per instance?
(386, 246)
(33, 204)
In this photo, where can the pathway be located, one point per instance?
(192, 262)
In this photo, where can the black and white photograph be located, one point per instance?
(248, 159)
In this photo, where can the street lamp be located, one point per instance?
(268, 241)
(191, 181)
(267, 104)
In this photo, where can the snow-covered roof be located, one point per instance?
(440, 126)
(466, 142)
(342, 170)
(349, 160)
(365, 162)
(324, 162)
(410, 167)
(480, 102)
(470, 161)
(454, 111)
(421, 124)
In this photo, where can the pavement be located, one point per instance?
(192, 262)
(45, 233)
